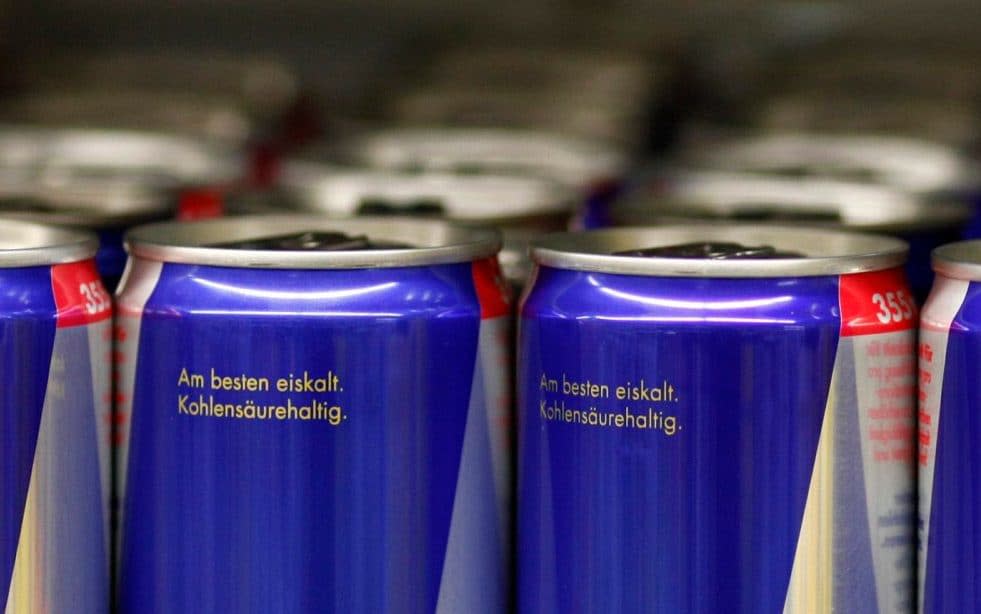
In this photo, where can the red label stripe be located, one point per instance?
(80, 297)
(492, 290)
(876, 302)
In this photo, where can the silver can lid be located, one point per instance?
(910, 164)
(684, 196)
(720, 251)
(188, 113)
(94, 205)
(311, 242)
(50, 157)
(473, 199)
(24, 244)
(960, 260)
(571, 161)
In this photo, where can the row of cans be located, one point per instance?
(519, 180)
(316, 416)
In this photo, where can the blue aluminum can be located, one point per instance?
(55, 421)
(315, 417)
(716, 419)
(949, 461)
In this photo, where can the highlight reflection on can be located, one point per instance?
(55, 340)
(716, 419)
(318, 411)
(948, 433)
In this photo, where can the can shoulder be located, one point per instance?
(583, 295)
(178, 289)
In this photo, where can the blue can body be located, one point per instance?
(364, 479)
(678, 435)
(950, 464)
(54, 440)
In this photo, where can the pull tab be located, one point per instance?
(416, 208)
(711, 251)
(312, 241)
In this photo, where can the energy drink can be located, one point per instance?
(684, 197)
(716, 419)
(315, 415)
(949, 432)
(55, 422)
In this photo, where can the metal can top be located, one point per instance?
(189, 113)
(477, 199)
(961, 260)
(568, 160)
(24, 244)
(910, 164)
(95, 205)
(311, 242)
(719, 251)
(33, 156)
(722, 196)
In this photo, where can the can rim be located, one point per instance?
(26, 244)
(570, 160)
(693, 196)
(94, 207)
(960, 260)
(826, 252)
(917, 165)
(189, 242)
(470, 199)
(41, 153)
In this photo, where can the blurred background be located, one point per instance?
(528, 116)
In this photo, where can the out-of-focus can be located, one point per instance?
(950, 472)
(716, 419)
(592, 167)
(914, 165)
(55, 421)
(32, 157)
(482, 199)
(520, 206)
(576, 162)
(684, 197)
(108, 210)
(316, 410)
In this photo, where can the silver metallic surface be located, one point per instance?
(32, 156)
(961, 260)
(477, 199)
(910, 164)
(94, 205)
(24, 244)
(568, 160)
(825, 252)
(433, 242)
(726, 196)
